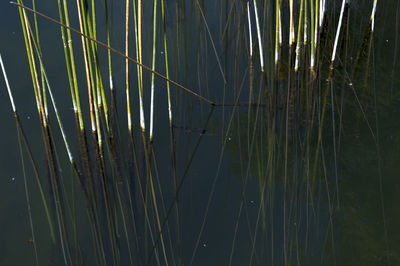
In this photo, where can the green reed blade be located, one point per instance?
(153, 68)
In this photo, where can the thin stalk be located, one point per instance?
(212, 41)
(171, 129)
(250, 35)
(372, 19)
(47, 84)
(127, 89)
(71, 159)
(94, 98)
(251, 71)
(277, 31)
(140, 69)
(260, 48)
(338, 30)
(305, 24)
(67, 58)
(41, 69)
(74, 88)
(298, 44)
(291, 34)
(153, 68)
(82, 26)
(321, 12)
(70, 61)
(31, 64)
(28, 204)
(183, 179)
(312, 41)
(7, 85)
(101, 98)
(49, 148)
(54, 176)
(110, 76)
(280, 25)
(316, 23)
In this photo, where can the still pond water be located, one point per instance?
(265, 177)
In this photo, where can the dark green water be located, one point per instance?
(243, 201)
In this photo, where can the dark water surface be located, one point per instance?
(255, 191)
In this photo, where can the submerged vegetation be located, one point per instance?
(164, 94)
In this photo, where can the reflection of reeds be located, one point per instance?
(28, 202)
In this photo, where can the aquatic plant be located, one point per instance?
(135, 154)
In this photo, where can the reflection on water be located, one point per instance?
(284, 167)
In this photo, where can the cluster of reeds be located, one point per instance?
(300, 78)
(115, 168)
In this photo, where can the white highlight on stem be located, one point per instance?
(321, 12)
(305, 37)
(338, 31)
(312, 60)
(277, 31)
(373, 15)
(142, 123)
(259, 37)
(250, 36)
(71, 159)
(8, 86)
(151, 111)
(129, 113)
(298, 44)
(99, 100)
(291, 34)
(46, 112)
(111, 83)
(280, 26)
(315, 39)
